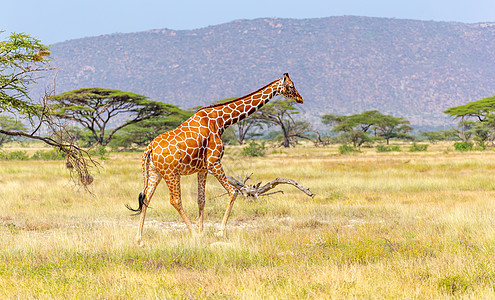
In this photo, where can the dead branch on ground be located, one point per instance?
(256, 190)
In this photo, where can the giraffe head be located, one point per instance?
(288, 90)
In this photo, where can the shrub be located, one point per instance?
(418, 147)
(101, 151)
(48, 155)
(38, 155)
(346, 149)
(383, 148)
(481, 146)
(254, 149)
(15, 155)
(454, 284)
(463, 146)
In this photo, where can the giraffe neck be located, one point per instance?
(239, 109)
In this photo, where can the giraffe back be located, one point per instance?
(183, 150)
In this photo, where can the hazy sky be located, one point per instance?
(59, 20)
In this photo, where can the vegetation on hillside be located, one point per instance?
(342, 65)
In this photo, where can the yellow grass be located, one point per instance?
(383, 225)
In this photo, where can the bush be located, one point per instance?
(48, 155)
(481, 146)
(463, 146)
(454, 284)
(418, 147)
(383, 148)
(346, 149)
(101, 151)
(38, 155)
(254, 149)
(16, 155)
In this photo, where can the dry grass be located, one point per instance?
(383, 225)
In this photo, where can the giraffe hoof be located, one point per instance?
(140, 243)
(220, 233)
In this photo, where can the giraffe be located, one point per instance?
(196, 147)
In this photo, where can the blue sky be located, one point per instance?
(59, 20)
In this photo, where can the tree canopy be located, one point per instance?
(482, 111)
(279, 113)
(355, 128)
(478, 109)
(388, 127)
(143, 132)
(95, 108)
(10, 124)
(21, 56)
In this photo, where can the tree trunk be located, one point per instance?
(286, 142)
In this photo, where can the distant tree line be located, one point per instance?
(107, 117)
(102, 117)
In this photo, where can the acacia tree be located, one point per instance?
(389, 127)
(356, 128)
(478, 110)
(482, 112)
(145, 131)
(440, 135)
(279, 113)
(94, 108)
(464, 129)
(21, 57)
(10, 124)
(332, 120)
(353, 128)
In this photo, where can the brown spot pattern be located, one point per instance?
(196, 147)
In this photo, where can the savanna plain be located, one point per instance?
(382, 225)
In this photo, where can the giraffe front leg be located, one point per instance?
(217, 170)
(201, 198)
(233, 196)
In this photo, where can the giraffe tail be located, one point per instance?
(142, 195)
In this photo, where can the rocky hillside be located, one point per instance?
(340, 65)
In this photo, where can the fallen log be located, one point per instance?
(256, 190)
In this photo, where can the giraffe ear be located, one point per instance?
(286, 75)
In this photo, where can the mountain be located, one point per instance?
(340, 65)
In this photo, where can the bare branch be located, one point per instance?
(255, 191)
(79, 162)
(278, 181)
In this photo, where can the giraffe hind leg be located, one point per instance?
(173, 183)
(201, 198)
(144, 200)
